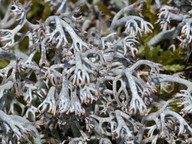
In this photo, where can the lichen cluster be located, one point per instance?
(78, 82)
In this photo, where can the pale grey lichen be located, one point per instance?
(85, 84)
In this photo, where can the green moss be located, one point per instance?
(3, 63)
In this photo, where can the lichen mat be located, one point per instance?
(72, 72)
